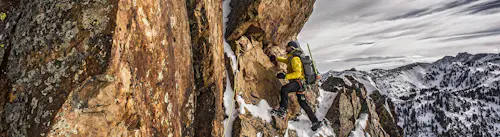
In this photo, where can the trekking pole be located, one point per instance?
(312, 59)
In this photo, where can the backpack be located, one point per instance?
(309, 68)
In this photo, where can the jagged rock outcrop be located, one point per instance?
(111, 68)
(268, 21)
(351, 101)
(386, 118)
(255, 30)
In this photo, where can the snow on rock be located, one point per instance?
(360, 125)
(226, 9)
(361, 77)
(496, 72)
(386, 106)
(368, 83)
(229, 93)
(259, 134)
(325, 100)
(303, 126)
(347, 81)
(260, 111)
(230, 108)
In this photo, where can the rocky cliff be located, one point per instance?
(157, 68)
(255, 30)
(352, 101)
(111, 68)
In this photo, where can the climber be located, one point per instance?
(295, 75)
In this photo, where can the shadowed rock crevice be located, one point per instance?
(205, 25)
(205, 112)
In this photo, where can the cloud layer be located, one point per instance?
(390, 33)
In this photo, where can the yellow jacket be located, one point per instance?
(294, 67)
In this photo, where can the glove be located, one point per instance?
(281, 76)
(272, 58)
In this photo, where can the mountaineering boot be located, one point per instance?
(280, 112)
(316, 125)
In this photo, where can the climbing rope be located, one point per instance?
(234, 96)
(232, 108)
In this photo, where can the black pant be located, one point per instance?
(294, 86)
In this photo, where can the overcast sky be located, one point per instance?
(368, 34)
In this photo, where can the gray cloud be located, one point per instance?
(371, 58)
(483, 7)
(360, 33)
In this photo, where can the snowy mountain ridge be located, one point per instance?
(452, 96)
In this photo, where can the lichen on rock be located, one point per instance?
(78, 68)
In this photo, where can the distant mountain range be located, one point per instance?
(454, 96)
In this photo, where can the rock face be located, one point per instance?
(386, 118)
(255, 30)
(140, 68)
(205, 19)
(111, 68)
(353, 100)
(248, 126)
(271, 22)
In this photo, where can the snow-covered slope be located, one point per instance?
(454, 96)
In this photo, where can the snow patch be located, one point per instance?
(368, 84)
(480, 69)
(230, 107)
(496, 72)
(386, 106)
(260, 111)
(346, 81)
(325, 100)
(226, 9)
(229, 93)
(360, 126)
(303, 128)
